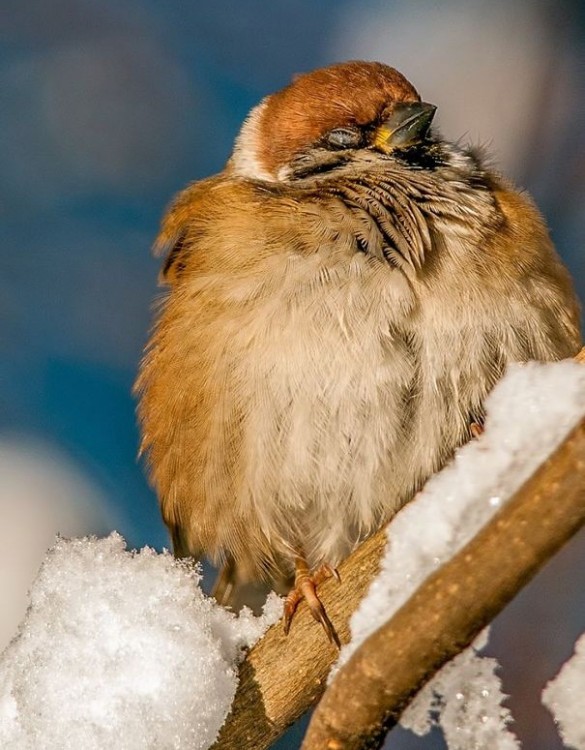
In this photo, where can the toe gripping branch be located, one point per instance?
(305, 587)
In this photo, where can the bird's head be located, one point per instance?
(329, 117)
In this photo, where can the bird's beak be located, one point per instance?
(408, 124)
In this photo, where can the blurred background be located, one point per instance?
(107, 109)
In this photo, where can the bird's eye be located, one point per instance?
(343, 138)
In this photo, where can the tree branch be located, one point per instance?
(283, 676)
(453, 605)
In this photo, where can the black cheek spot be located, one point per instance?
(420, 156)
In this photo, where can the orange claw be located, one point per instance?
(306, 588)
(476, 429)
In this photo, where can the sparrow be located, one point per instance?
(340, 300)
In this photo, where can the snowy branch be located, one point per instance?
(453, 605)
(284, 676)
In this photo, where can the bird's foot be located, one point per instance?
(305, 587)
(476, 427)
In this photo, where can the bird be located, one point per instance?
(339, 301)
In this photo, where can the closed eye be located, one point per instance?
(340, 138)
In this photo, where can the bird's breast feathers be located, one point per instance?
(325, 385)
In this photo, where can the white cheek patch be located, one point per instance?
(245, 159)
(283, 174)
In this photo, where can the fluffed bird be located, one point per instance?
(341, 299)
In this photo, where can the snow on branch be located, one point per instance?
(465, 700)
(565, 697)
(121, 649)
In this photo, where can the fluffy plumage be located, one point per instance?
(334, 321)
